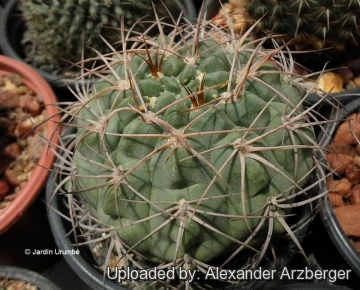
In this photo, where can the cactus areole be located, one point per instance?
(191, 149)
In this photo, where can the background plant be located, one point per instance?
(59, 33)
(326, 32)
(192, 150)
(317, 24)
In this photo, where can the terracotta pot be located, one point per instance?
(39, 175)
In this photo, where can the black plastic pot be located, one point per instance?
(337, 235)
(334, 98)
(21, 274)
(12, 29)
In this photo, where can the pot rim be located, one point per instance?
(330, 99)
(22, 274)
(39, 175)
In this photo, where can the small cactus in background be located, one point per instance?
(58, 32)
(192, 148)
(317, 24)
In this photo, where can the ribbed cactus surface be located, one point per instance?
(191, 147)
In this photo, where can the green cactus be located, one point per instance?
(191, 149)
(318, 24)
(57, 32)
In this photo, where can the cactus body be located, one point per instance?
(319, 23)
(186, 149)
(57, 33)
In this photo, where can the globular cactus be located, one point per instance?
(193, 147)
(57, 33)
(314, 24)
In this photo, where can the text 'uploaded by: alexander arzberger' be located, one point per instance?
(216, 273)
